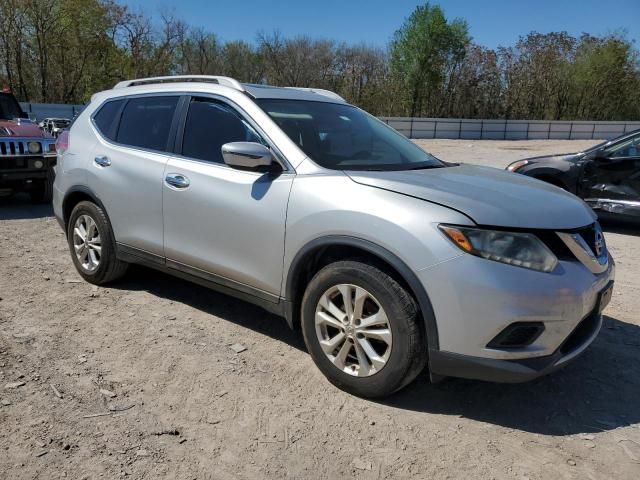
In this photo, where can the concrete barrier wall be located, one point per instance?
(451, 128)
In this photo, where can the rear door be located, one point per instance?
(611, 180)
(128, 167)
(220, 223)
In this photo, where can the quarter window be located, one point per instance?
(146, 122)
(105, 119)
(211, 124)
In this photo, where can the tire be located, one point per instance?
(108, 267)
(42, 192)
(407, 354)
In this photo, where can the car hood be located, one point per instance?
(487, 195)
(560, 157)
(13, 128)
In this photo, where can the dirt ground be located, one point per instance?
(138, 380)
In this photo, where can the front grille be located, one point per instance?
(13, 147)
(593, 242)
(553, 242)
(591, 235)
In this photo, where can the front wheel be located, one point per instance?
(363, 329)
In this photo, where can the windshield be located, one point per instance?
(610, 142)
(343, 137)
(9, 107)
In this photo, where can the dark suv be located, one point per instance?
(27, 154)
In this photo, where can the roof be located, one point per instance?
(253, 90)
(292, 93)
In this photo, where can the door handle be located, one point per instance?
(102, 160)
(176, 180)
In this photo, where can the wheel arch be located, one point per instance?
(74, 196)
(554, 176)
(551, 179)
(324, 250)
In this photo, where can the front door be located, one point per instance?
(221, 223)
(611, 180)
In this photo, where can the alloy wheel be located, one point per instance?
(87, 243)
(353, 330)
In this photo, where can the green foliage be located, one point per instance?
(66, 50)
(425, 51)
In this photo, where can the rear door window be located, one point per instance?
(146, 122)
(105, 118)
(209, 125)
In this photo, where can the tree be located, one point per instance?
(605, 79)
(425, 53)
(65, 50)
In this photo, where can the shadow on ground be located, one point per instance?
(19, 207)
(223, 306)
(599, 391)
(621, 227)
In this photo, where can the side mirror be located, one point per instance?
(248, 155)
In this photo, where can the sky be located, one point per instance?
(491, 22)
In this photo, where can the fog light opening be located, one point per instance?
(517, 335)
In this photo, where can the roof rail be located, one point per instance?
(226, 81)
(320, 91)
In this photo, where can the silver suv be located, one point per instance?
(386, 257)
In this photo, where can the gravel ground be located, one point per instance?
(138, 380)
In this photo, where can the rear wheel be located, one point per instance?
(363, 329)
(92, 245)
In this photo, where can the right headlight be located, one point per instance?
(515, 166)
(513, 248)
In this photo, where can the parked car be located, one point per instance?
(388, 258)
(606, 176)
(53, 126)
(27, 154)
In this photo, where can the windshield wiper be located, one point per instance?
(425, 167)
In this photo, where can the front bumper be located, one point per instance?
(16, 171)
(449, 364)
(474, 300)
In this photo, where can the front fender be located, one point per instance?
(564, 175)
(400, 230)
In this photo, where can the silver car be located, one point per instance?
(388, 259)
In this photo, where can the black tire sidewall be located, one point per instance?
(42, 190)
(385, 290)
(48, 186)
(107, 254)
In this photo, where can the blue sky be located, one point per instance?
(491, 22)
